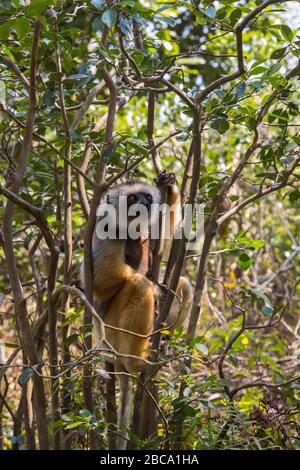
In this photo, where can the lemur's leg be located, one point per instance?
(181, 305)
(131, 309)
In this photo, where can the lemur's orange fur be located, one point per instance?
(131, 308)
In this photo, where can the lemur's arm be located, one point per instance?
(182, 303)
(167, 181)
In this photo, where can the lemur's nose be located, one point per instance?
(145, 201)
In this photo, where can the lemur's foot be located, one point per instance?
(165, 179)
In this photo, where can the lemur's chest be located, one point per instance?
(138, 255)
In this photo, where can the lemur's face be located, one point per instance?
(145, 199)
(139, 205)
(135, 205)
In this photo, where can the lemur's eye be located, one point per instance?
(132, 199)
(149, 197)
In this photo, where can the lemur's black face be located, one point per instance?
(136, 204)
(140, 198)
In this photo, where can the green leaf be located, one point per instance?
(267, 310)
(257, 243)
(244, 262)
(287, 160)
(235, 16)
(125, 26)
(210, 12)
(5, 30)
(240, 90)
(165, 332)
(287, 33)
(21, 26)
(201, 348)
(76, 76)
(66, 418)
(188, 411)
(108, 151)
(25, 376)
(109, 17)
(234, 360)
(97, 23)
(250, 122)
(245, 241)
(71, 339)
(296, 139)
(37, 7)
(75, 425)
(294, 195)
(213, 191)
(258, 70)
(278, 53)
(182, 137)
(251, 362)
(85, 413)
(274, 68)
(220, 124)
(98, 3)
(221, 13)
(139, 147)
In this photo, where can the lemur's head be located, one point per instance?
(133, 202)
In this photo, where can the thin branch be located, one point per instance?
(180, 93)
(80, 180)
(14, 67)
(129, 58)
(234, 391)
(150, 132)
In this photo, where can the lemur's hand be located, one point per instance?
(166, 179)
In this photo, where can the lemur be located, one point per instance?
(122, 283)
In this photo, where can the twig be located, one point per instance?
(150, 132)
(14, 67)
(80, 180)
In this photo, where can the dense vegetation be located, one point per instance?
(90, 91)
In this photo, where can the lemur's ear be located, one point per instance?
(107, 199)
